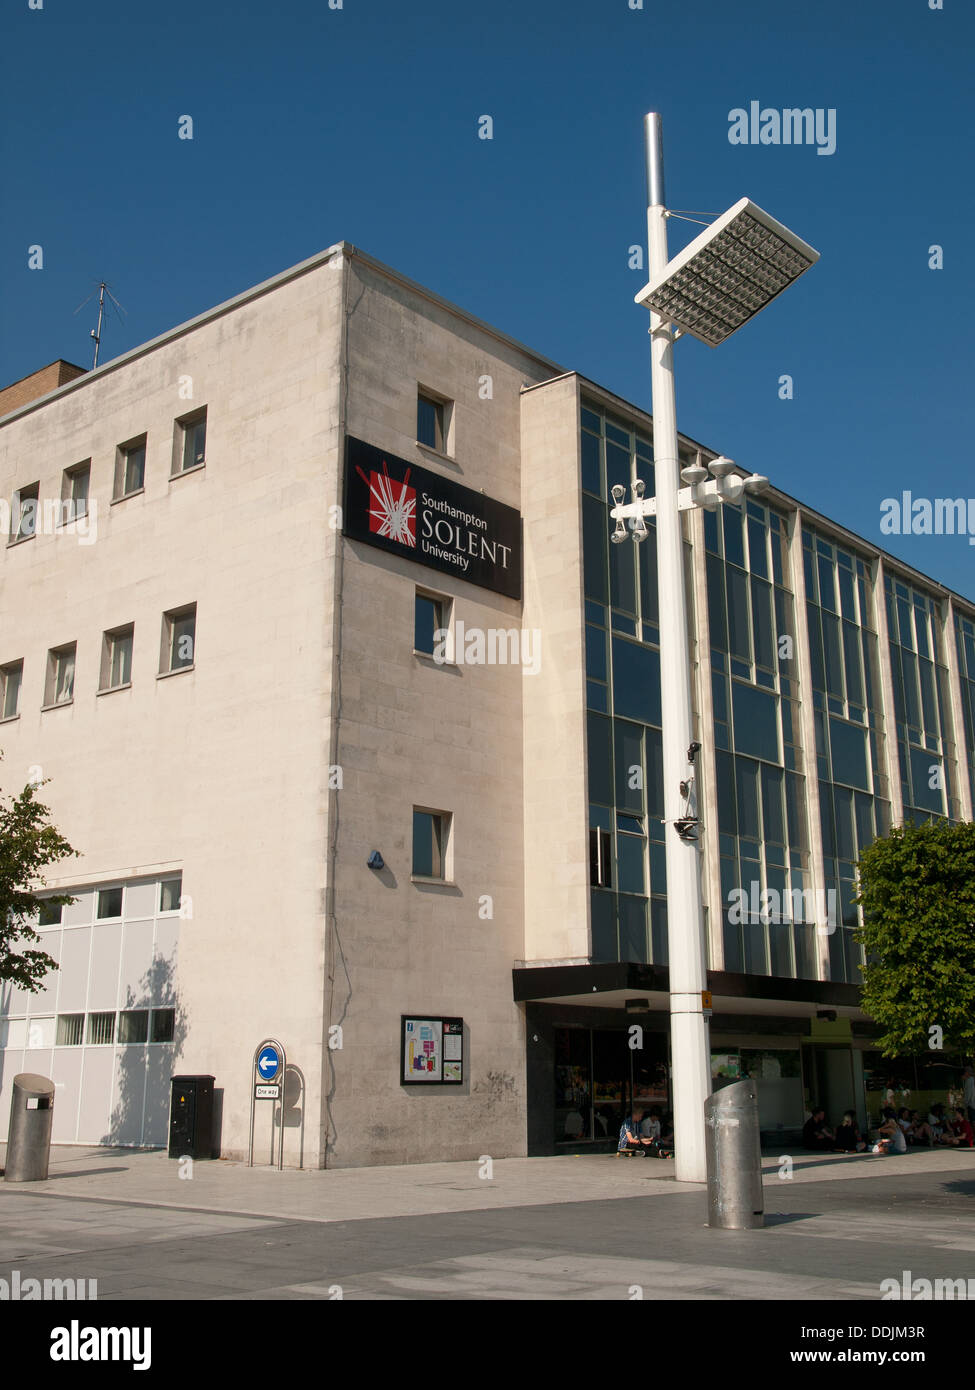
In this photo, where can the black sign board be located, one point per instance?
(431, 1050)
(431, 520)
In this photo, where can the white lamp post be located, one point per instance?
(718, 282)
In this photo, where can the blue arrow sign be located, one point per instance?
(268, 1063)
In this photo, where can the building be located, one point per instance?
(310, 617)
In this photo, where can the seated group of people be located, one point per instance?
(647, 1134)
(894, 1132)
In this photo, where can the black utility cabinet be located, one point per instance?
(191, 1117)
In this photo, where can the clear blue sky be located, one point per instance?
(312, 125)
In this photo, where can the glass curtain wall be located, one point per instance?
(965, 642)
(627, 873)
(769, 921)
(854, 795)
(925, 749)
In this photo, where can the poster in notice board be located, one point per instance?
(431, 1051)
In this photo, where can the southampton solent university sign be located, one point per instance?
(431, 520)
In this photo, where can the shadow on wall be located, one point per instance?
(141, 1111)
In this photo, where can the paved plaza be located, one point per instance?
(586, 1227)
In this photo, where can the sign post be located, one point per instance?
(267, 1083)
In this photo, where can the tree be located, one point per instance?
(917, 890)
(28, 844)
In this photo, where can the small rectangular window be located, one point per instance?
(430, 615)
(11, 678)
(190, 442)
(109, 903)
(430, 835)
(70, 1030)
(101, 1029)
(59, 688)
(432, 421)
(178, 639)
(74, 491)
(117, 657)
(133, 1026)
(23, 512)
(49, 914)
(163, 1025)
(169, 893)
(130, 467)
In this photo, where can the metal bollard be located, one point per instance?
(29, 1137)
(734, 1158)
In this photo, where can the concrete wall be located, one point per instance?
(216, 771)
(556, 814)
(443, 737)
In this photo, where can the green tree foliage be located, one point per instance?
(28, 844)
(917, 889)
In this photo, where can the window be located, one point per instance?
(432, 421)
(49, 914)
(600, 856)
(163, 1025)
(11, 677)
(169, 894)
(190, 442)
(59, 689)
(41, 1032)
(178, 640)
(755, 722)
(430, 835)
(70, 1029)
(101, 1029)
(130, 467)
(109, 903)
(133, 1026)
(23, 513)
(430, 615)
(117, 658)
(74, 491)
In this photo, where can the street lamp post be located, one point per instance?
(716, 284)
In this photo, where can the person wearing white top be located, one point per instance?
(650, 1127)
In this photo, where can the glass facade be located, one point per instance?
(623, 696)
(763, 838)
(965, 643)
(599, 1080)
(854, 796)
(922, 704)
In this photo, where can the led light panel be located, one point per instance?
(727, 274)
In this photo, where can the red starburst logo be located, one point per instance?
(392, 506)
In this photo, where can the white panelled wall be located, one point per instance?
(116, 980)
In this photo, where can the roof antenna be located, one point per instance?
(96, 333)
